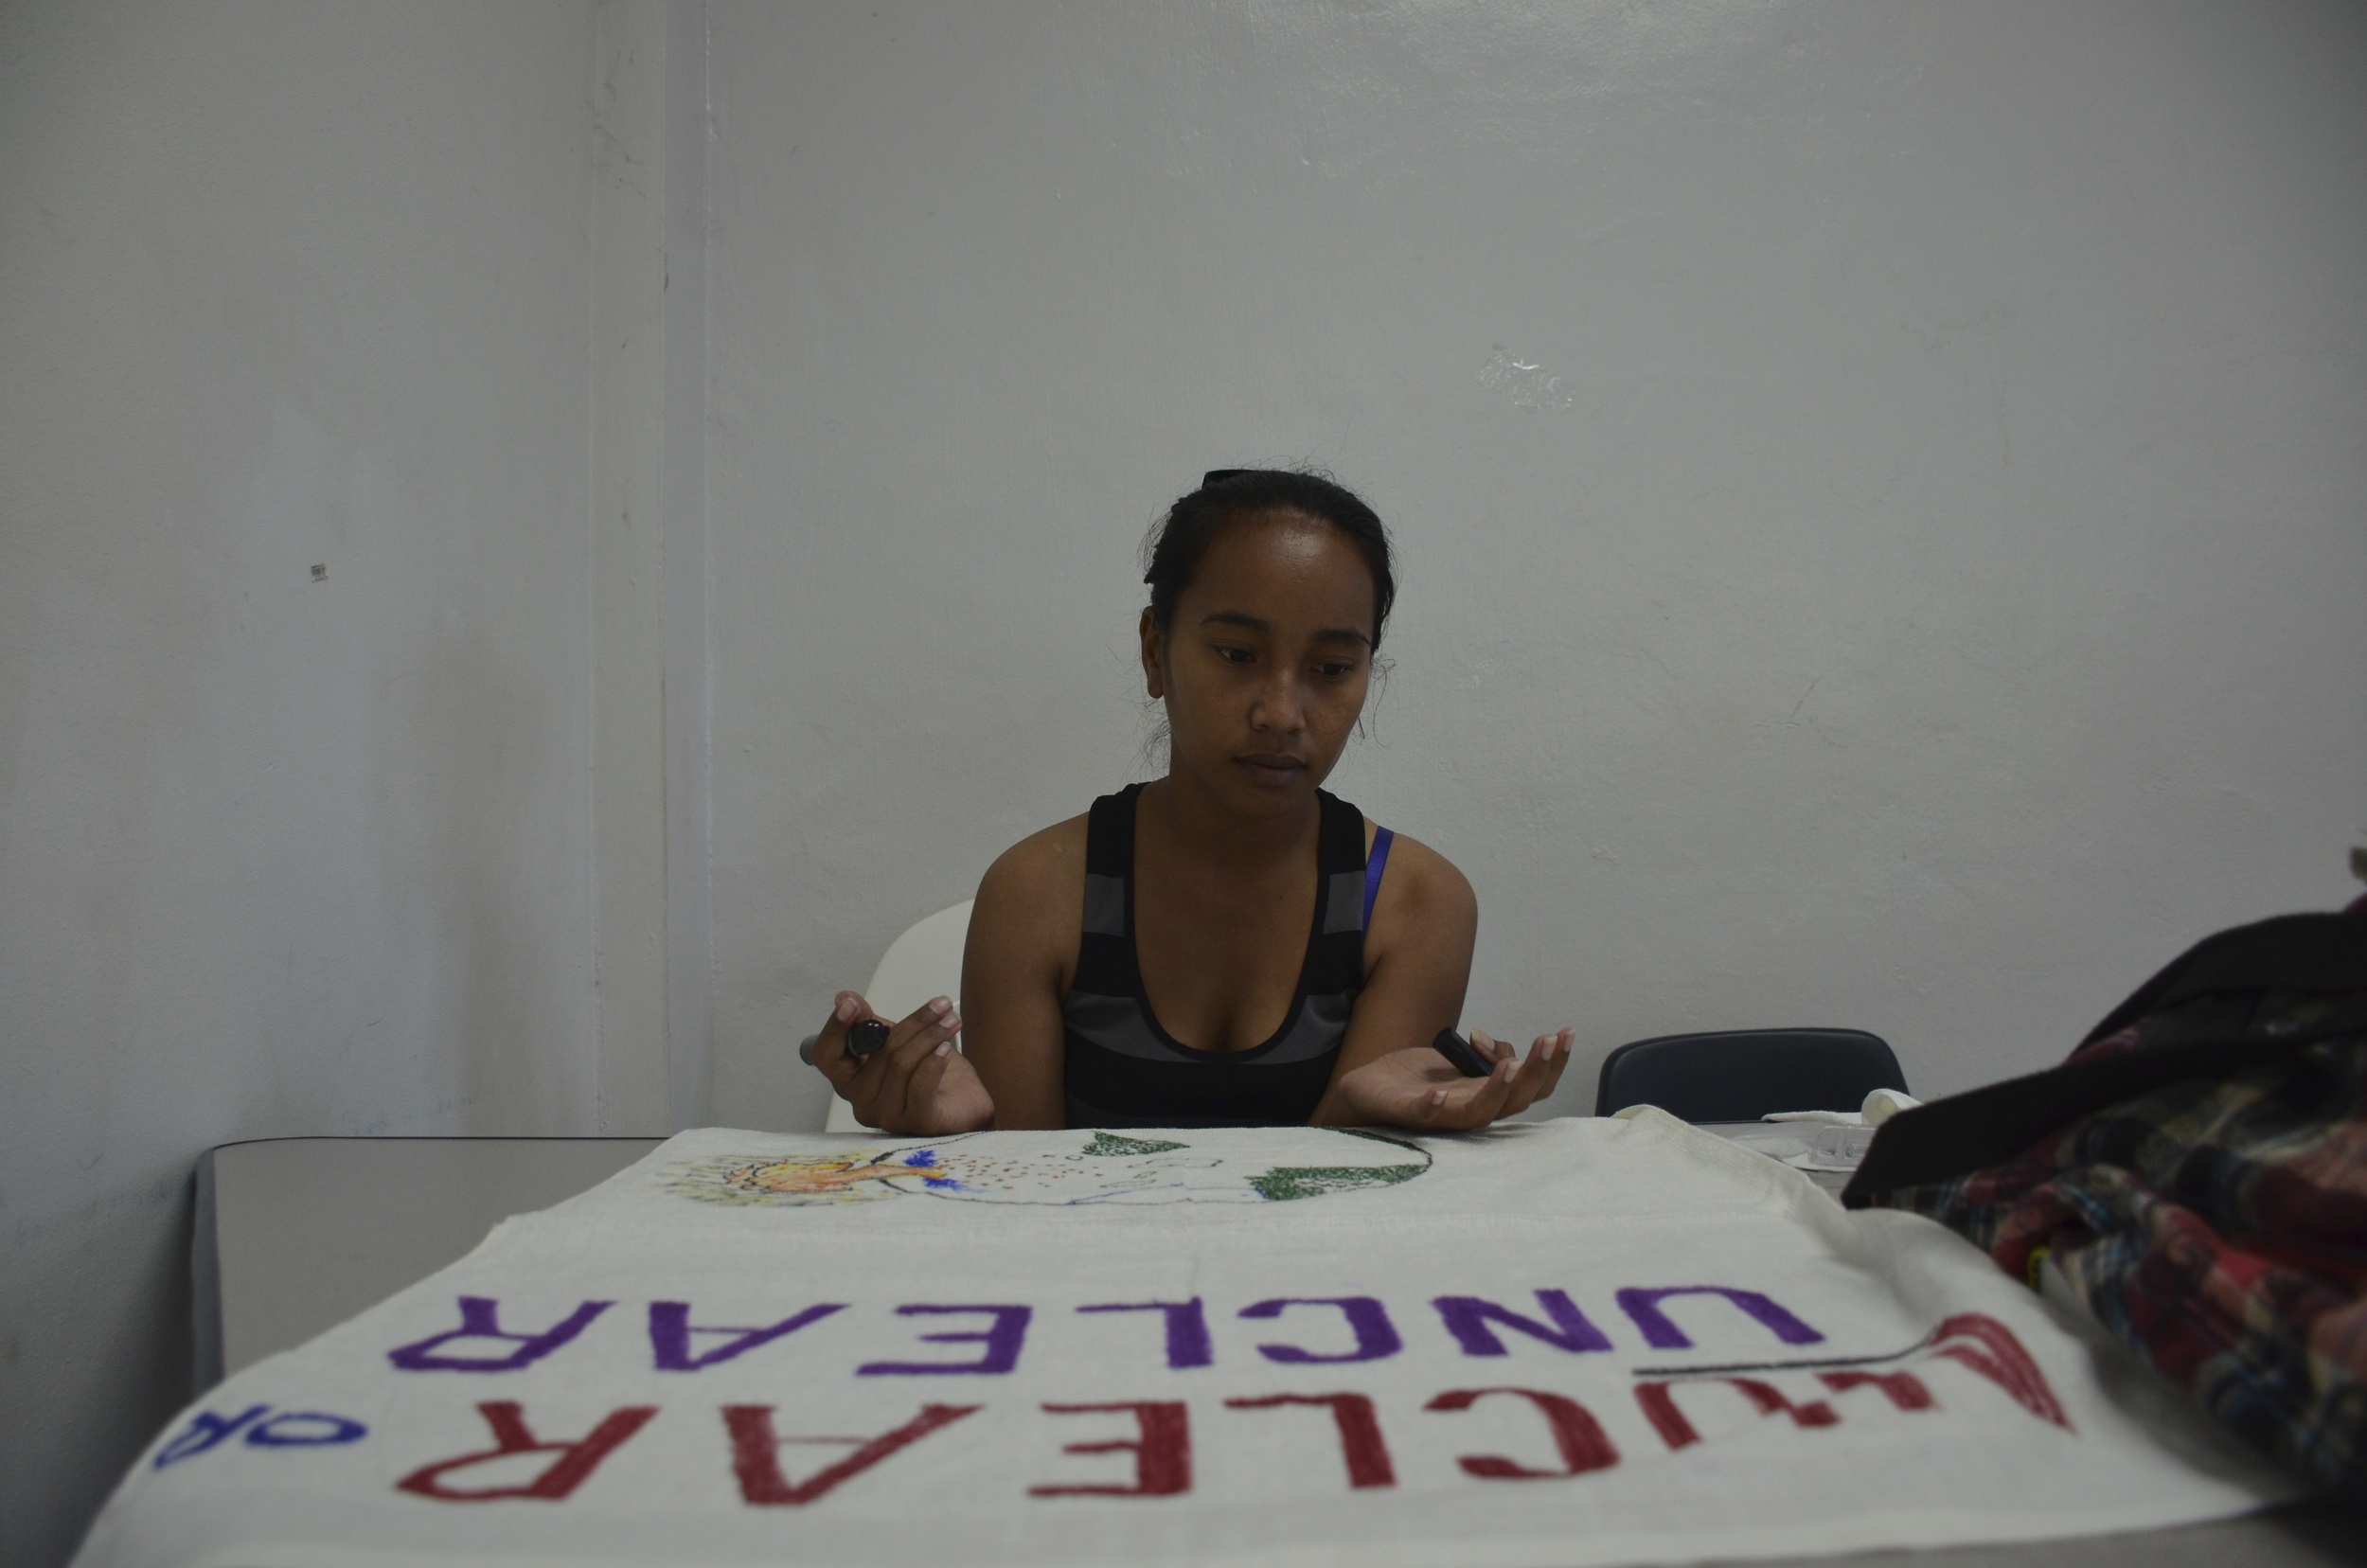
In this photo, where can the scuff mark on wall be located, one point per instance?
(1526, 383)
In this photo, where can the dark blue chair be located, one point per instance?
(1741, 1075)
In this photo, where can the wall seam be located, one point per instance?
(686, 567)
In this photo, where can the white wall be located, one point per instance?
(288, 285)
(1919, 587)
(1916, 585)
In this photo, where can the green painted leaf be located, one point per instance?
(1105, 1143)
(1285, 1183)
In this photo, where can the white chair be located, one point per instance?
(924, 962)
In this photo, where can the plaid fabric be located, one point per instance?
(2217, 1226)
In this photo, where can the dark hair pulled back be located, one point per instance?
(1171, 554)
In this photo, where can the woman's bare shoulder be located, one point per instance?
(1031, 902)
(1422, 885)
(1040, 864)
(1042, 875)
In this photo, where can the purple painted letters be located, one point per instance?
(1467, 1317)
(671, 1330)
(1002, 1341)
(1188, 1328)
(480, 1318)
(1661, 1334)
(1376, 1336)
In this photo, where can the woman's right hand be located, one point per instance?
(1422, 1090)
(916, 1083)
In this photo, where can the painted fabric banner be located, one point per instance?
(1575, 1342)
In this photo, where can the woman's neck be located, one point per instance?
(1178, 809)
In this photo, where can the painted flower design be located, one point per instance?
(1276, 1164)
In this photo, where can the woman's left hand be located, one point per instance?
(1420, 1089)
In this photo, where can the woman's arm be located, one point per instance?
(1023, 932)
(1418, 963)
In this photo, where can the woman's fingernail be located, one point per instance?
(951, 1023)
(942, 1049)
(845, 1008)
(942, 1005)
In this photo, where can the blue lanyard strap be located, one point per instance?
(1383, 837)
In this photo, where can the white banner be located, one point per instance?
(1571, 1343)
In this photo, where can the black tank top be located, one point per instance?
(1123, 1070)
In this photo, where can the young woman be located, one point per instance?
(1230, 944)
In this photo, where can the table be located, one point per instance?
(293, 1235)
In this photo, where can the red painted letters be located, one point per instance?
(1660, 1406)
(1163, 1452)
(1980, 1342)
(577, 1460)
(1360, 1441)
(1582, 1443)
(757, 1453)
(1905, 1389)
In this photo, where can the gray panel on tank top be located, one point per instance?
(1344, 910)
(1105, 905)
(1321, 1022)
(1114, 1024)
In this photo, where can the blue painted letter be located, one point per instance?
(205, 1431)
(306, 1429)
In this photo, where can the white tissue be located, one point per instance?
(1879, 1107)
(1882, 1104)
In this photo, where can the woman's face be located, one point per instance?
(1265, 665)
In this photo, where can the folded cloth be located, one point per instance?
(1592, 1342)
(2196, 1174)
